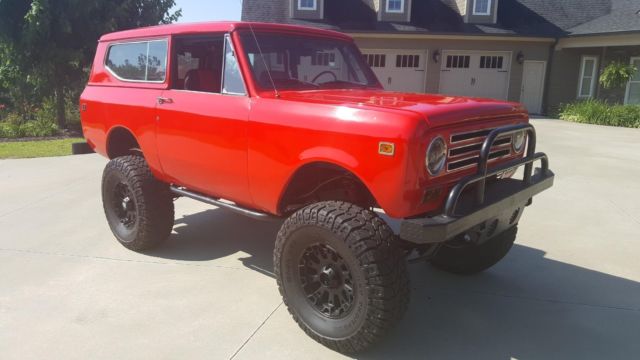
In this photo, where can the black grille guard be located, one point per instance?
(498, 201)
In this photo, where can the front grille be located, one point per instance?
(464, 149)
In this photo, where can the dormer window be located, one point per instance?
(481, 7)
(395, 6)
(307, 5)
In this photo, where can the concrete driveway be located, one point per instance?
(570, 288)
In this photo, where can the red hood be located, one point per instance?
(438, 110)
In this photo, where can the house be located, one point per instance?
(539, 52)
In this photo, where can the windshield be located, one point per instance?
(297, 62)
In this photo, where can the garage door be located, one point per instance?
(476, 74)
(398, 70)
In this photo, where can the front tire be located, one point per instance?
(469, 259)
(341, 275)
(139, 208)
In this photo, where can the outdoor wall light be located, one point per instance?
(520, 57)
(436, 56)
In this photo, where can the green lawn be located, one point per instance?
(33, 149)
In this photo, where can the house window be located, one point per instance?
(633, 88)
(307, 5)
(481, 7)
(407, 61)
(376, 60)
(458, 61)
(491, 62)
(395, 6)
(588, 71)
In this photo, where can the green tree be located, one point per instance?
(47, 46)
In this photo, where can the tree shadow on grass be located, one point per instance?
(526, 307)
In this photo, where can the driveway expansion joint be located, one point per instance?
(255, 331)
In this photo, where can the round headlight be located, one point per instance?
(436, 156)
(518, 141)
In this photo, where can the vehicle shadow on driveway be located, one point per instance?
(218, 233)
(526, 307)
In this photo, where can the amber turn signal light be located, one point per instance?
(385, 148)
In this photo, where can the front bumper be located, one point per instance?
(490, 208)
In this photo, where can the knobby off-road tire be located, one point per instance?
(336, 247)
(139, 208)
(471, 259)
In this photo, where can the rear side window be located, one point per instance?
(139, 61)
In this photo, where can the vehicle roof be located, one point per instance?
(217, 26)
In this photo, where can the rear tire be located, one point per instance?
(468, 259)
(341, 275)
(139, 208)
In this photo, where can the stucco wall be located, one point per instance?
(531, 50)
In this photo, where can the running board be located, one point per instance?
(216, 202)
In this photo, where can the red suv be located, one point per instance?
(285, 122)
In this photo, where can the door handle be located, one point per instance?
(164, 100)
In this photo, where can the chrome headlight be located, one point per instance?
(518, 140)
(436, 156)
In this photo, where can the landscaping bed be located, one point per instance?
(601, 113)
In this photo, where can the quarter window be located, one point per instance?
(481, 7)
(395, 6)
(588, 71)
(458, 61)
(307, 4)
(232, 83)
(140, 61)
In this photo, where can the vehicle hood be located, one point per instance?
(437, 110)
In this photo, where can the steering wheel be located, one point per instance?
(335, 77)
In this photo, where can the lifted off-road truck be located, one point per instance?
(276, 121)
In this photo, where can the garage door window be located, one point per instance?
(588, 70)
(323, 59)
(376, 60)
(408, 61)
(491, 62)
(458, 61)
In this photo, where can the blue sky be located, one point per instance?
(209, 10)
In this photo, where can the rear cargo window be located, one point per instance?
(139, 61)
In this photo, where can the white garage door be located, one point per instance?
(476, 74)
(398, 70)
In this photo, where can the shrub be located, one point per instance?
(601, 113)
(617, 74)
(14, 126)
(40, 128)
